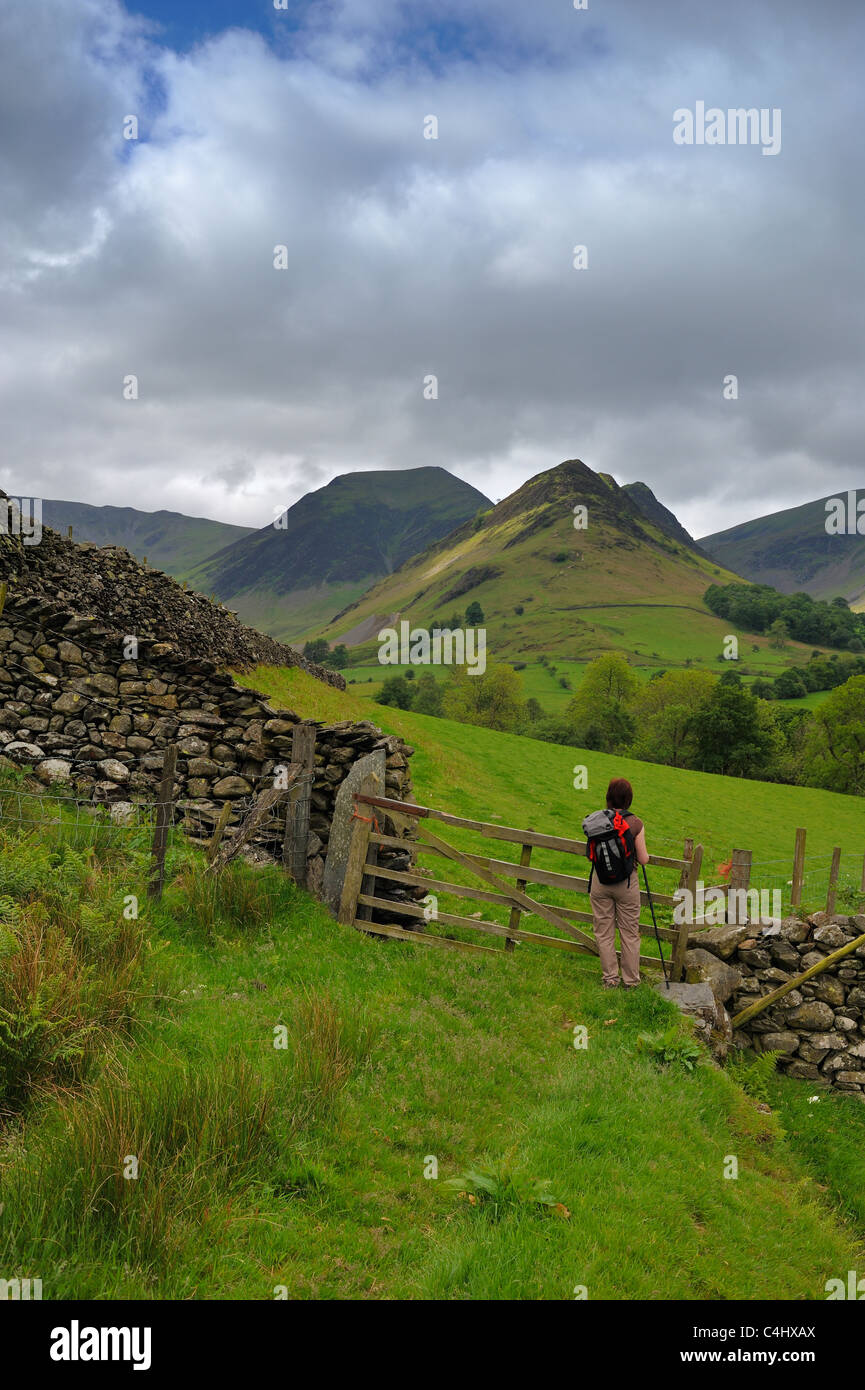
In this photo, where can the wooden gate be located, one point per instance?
(359, 898)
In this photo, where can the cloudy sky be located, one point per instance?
(408, 257)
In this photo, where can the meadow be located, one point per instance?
(297, 1095)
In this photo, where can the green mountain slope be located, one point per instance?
(792, 551)
(663, 518)
(168, 541)
(545, 587)
(333, 543)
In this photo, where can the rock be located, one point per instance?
(829, 989)
(831, 936)
(779, 1042)
(711, 1020)
(804, 1071)
(123, 813)
(23, 753)
(54, 770)
(114, 770)
(703, 965)
(231, 787)
(832, 1042)
(721, 941)
(813, 1014)
(341, 825)
(850, 1078)
(792, 929)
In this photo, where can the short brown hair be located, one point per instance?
(620, 794)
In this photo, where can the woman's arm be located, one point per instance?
(640, 848)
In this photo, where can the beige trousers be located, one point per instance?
(618, 905)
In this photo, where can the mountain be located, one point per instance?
(546, 587)
(663, 518)
(290, 579)
(167, 540)
(792, 551)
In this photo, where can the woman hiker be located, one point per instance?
(618, 904)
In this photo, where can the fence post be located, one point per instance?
(740, 877)
(297, 811)
(357, 851)
(833, 880)
(687, 854)
(862, 881)
(516, 914)
(164, 809)
(677, 968)
(218, 831)
(4, 586)
(799, 869)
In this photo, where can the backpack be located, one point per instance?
(609, 846)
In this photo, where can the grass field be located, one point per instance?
(308, 1169)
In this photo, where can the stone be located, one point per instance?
(721, 941)
(342, 824)
(23, 753)
(850, 1078)
(783, 954)
(123, 813)
(831, 936)
(856, 998)
(813, 1014)
(804, 1071)
(810, 1053)
(703, 965)
(829, 989)
(779, 1042)
(114, 770)
(54, 770)
(711, 1020)
(792, 929)
(230, 787)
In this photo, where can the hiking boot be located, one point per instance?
(608, 985)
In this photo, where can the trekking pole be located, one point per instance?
(655, 925)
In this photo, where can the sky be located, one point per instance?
(148, 265)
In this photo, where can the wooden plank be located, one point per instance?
(677, 966)
(394, 842)
(298, 810)
(833, 880)
(420, 938)
(768, 999)
(505, 832)
(164, 809)
(516, 910)
(461, 890)
(799, 868)
(257, 813)
(448, 919)
(508, 869)
(218, 831)
(688, 856)
(354, 869)
(540, 909)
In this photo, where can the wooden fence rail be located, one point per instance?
(492, 884)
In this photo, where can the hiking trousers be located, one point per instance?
(617, 905)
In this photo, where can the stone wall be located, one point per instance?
(819, 1027)
(73, 709)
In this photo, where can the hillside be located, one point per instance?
(333, 544)
(545, 587)
(663, 518)
(792, 551)
(168, 541)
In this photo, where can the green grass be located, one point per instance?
(302, 1167)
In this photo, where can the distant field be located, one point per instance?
(546, 688)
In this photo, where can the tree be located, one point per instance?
(732, 736)
(779, 633)
(338, 658)
(493, 700)
(396, 691)
(317, 650)
(600, 703)
(836, 748)
(534, 710)
(664, 711)
(474, 614)
(428, 695)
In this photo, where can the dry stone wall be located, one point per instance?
(818, 1027)
(73, 709)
